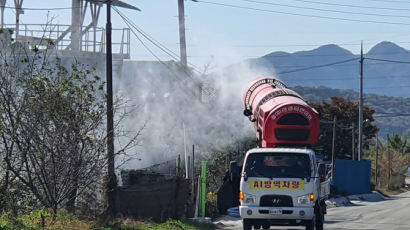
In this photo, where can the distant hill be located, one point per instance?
(387, 108)
(380, 77)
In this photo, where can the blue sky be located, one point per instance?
(224, 34)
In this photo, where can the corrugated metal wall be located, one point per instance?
(159, 200)
(352, 177)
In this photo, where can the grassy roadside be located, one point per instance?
(387, 192)
(168, 225)
(36, 221)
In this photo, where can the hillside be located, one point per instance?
(380, 77)
(387, 108)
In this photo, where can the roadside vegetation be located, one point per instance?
(52, 140)
(42, 220)
(393, 160)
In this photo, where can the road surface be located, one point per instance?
(390, 214)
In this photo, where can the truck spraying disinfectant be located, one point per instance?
(282, 182)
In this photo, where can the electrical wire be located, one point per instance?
(294, 45)
(42, 9)
(318, 66)
(389, 87)
(353, 6)
(326, 10)
(148, 37)
(303, 15)
(146, 47)
(166, 50)
(390, 1)
(386, 60)
(172, 71)
(391, 115)
(349, 78)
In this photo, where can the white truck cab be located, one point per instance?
(282, 186)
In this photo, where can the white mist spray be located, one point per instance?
(170, 109)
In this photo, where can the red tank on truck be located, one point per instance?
(282, 182)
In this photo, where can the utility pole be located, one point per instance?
(112, 181)
(360, 149)
(182, 41)
(389, 156)
(353, 141)
(18, 5)
(377, 157)
(2, 6)
(76, 25)
(333, 146)
(193, 173)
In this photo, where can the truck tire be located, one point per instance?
(266, 226)
(256, 226)
(247, 224)
(320, 219)
(310, 225)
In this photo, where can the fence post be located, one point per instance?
(203, 187)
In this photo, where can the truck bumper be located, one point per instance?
(288, 213)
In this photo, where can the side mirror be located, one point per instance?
(234, 170)
(322, 172)
(245, 176)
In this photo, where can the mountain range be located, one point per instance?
(386, 68)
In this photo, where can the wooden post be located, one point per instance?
(333, 145)
(377, 157)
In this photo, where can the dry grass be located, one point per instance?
(388, 192)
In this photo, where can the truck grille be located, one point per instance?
(276, 201)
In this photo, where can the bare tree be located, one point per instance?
(52, 129)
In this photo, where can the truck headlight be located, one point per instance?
(247, 198)
(306, 199)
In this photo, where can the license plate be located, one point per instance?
(275, 211)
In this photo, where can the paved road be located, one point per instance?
(389, 214)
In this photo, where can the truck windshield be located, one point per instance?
(278, 165)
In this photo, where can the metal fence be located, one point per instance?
(58, 35)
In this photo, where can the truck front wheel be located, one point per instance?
(320, 221)
(247, 224)
(310, 225)
(266, 226)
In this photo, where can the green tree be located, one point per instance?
(399, 143)
(406, 134)
(347, 113)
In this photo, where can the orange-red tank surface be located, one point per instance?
(281, 117)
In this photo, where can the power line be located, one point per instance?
(293, 45)
(299, 45)
(349, 78)
(172, 54)
(392, 1)
(390, 87)
(172, 71)
(318, 66)
(353, 6)
(326, 10)
(391, 115)
(148, 37)
(302, 15)
(386, 60)
(153, 41)
(42, 9)
(143, 43)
